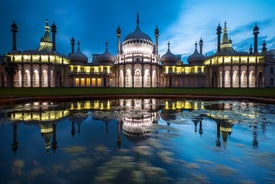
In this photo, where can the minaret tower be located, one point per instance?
(72, 43)
(14, 30)
(118, 31)
(157, 41)
(201, 44)
(219, 31)
(53, 36)
(256, 32)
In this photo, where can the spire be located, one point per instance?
(78, 45)
(196, 45)
(46, 37)
(137, 19)
(168, 45)
(45, 42)
(225, 36)
(106, 50)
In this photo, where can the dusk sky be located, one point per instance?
(93, 22)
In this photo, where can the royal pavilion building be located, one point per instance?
(137, 64)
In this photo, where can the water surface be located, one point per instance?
(138, 141)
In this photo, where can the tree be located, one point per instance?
(11, 69)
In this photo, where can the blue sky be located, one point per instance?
(93, 22)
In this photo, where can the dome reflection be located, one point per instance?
(137, 116)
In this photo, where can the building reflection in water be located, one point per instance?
(137, 119)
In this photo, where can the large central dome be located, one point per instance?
(137, 42)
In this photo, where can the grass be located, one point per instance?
(27, 92)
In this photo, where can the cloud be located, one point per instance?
(200, 19)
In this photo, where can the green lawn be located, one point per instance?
(26, 92)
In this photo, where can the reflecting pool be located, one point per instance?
(137, 141)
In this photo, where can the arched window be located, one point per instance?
(128, 81)
(227, 79)
(27, 79)
(44, 78)
(235, 79)
(243, 79)
(18, 79)
(35, 79)
(147, 78)
(252, 79)
(137, 79)
(121, 79)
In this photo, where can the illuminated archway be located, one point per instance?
(121, 78)
(137, 78)
(154, 77)
(243, 79)
(235, 79)
(128, 78)
(227, 79)
(27, 79)
(44, 78)
(147, 78)
(35, 79)
(52, 79)
(252, 79)
(18, 79)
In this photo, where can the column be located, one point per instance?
(231, 73)
(223, 73)
(247, 72)
(151, 75)
(240, 74)
(256, 72)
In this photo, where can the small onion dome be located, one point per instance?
(106, 58)
(78, 56)
(169, 58)
(196, 58)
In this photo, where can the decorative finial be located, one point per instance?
(72, 40)
(225, 24)
(137, 19)
(157, 31)
(106, 45)
(78, 45)
(47, 22)
(196, 45)
(168, 45)
(201, 41)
